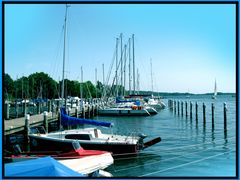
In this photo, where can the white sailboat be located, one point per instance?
(215, 90)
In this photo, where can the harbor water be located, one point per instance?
(188, 147)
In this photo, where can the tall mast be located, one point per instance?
(138, 86)
(121, 65)
(64, 46)
(96, 80)
(116, 67)
(103, 79)
(129, 68)
(151, 75)
(134, 88)
(124, 68)
(81, 95)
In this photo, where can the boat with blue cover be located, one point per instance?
(89, 138)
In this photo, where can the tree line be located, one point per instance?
(41, 85)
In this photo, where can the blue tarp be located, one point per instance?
(68, 120)
(41, 167)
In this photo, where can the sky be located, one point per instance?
(190, 45)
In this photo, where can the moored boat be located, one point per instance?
(90, 138)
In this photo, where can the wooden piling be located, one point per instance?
(182, 108)
(213, 115)
(83, 111)
(38, 107)
(89, 111)
(76, 112)
(225, 116)
(178, 107)
(175, 104)
(196, 106)
(6, 110)
(26, 129)
(186, 108)
(204, 114)
(49, 105)
(45, 120)
(25, 108)
(16, 109)
(190, 110)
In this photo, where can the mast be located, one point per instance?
(138, 85)
(124, 68)
(121, 66)
(116, 67)
(81, 89)
(96, 80)
(129, 68)
(64, 47)
(103, 78)
(151, 75)
(134, 88)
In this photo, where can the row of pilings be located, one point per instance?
(180, 108)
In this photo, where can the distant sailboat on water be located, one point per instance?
(215, 90)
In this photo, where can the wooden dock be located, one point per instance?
(19, 124)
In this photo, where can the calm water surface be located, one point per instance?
(187, 147)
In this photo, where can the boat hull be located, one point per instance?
(123, 112)
(118, 149)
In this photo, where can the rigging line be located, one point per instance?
(185, 164)
(133, 167)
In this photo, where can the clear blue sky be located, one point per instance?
(190, 45)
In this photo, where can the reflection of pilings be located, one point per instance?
(190, 110)
(204, 114)
(196, 106)
(212, 116)
(225, 116)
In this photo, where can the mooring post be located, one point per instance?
(76, 112)
(77, 103)
(38, 107)
(93, 109)
(27, 129)
(186, 108)
(196, 111)
(225, 116)
(178, 107)
(190, 110)
(212, 116)
(6, 110)
(24, 108)
(204, 114)
(16, 109)
(83, 111)
(89, 109)
(49, 105)
(175, 108)
(182, 108)
(45, 120)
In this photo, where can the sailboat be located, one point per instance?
(215, 90)
(89, 138)
(154, 103)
